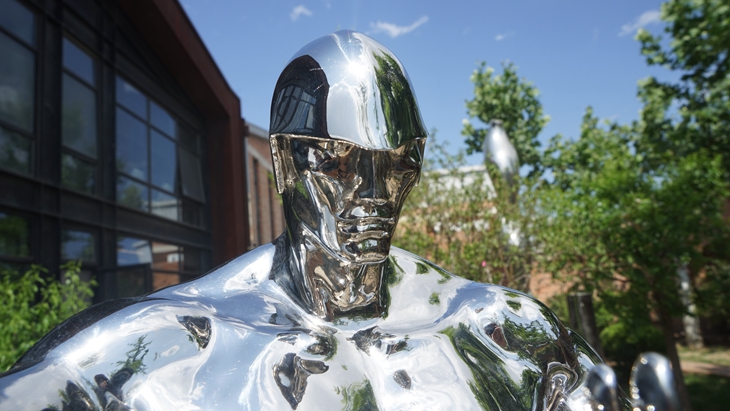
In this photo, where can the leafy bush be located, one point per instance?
(627, 336)
(33, 303)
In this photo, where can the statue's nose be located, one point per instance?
(372, 173)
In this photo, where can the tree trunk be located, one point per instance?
(690, 320)
(583, 320)
(671, 346)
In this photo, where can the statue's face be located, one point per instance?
(347, 196)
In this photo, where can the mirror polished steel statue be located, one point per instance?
(329, 316)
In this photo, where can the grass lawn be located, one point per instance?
(708, 392)
(710, 355)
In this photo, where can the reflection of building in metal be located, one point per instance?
(121, 145)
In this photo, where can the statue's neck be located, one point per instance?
(333, 287)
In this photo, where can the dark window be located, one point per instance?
(14, 236)
(77, 174)
(132, 194)
(15, 151)
(17, 86)
(158, 159)
(18, 20)
(170, 264)
(78, 62)
(131, 98)
(78, 245)
(78, 119)
(162, 120)
(164, 166)
(132, 251)
(131, 145)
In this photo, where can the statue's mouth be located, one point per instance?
(357, 229)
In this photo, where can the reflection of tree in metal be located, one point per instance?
(402, 378)
(199, 328)
(74, 399)
(493, 386)
(402, 119)
(291, 375)
(108, 390)
(358, 397)
(135, 357)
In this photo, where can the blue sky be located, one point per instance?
(577, 53)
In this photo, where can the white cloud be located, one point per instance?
(298, 11)
(646, 18)
(500, 37)
(394, 30)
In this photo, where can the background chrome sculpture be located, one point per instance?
(329, 316)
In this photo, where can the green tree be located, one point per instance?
(514, 101)
(465, 222)
(623, 230)
(692, 113)
(33, 304)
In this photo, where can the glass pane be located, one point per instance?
(162, 280)
(16, 267)
(132, 251)
(17, 88)
(132, 194)
(77, 245)
(77, 174)
(131, 145)
(191, 260)
(163, 162)
(165, 256)
(79, 117)
(18, 20)
(14, 236)
(131, 282)
(164, 205)
(192, 213)
(78, 61)
(162, 120)
(131, 98)
(15, 151)
(189, 139)
(192, 179)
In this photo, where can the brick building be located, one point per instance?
(122, 145)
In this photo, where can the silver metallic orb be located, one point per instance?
(329, 316)
(499, 151)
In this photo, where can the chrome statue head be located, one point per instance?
(347, 142)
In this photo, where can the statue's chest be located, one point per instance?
(368, 369)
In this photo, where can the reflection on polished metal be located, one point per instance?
(499, 151)
(329, 316)
(652, 384)
(603, 388)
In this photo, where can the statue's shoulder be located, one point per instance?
(189, 304)
(487, 306)
(244, 274)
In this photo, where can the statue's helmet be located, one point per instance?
(345, 86)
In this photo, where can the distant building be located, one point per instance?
(266, 214)
(121, 144)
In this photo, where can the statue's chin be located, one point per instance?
(367, 251)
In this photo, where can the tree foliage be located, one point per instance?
(627, 205)
(33, 304)
(514, 101)
(464, 221)
(691, 114)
